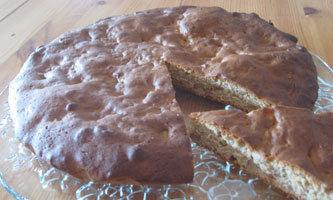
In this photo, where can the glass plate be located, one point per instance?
(24, 176)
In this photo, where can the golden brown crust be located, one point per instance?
(108, 126)
(101, 109)
(294, 136)
(205, 138)
(99, 97)
(248, 52)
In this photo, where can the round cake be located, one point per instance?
(98, 102)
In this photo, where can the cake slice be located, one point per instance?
(288, 148)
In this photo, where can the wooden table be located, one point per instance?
(26, 24)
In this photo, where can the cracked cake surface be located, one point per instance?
(98, 102)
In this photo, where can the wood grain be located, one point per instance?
(4, 194)
(7, 7)
(26, 24)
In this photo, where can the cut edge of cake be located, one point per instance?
(286, 177)
(215, 88)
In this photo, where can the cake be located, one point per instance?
(98, 102)
(287, 147)
(100, 119)
(239, 59)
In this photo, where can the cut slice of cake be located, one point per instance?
(289, 148)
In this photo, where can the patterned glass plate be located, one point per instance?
(24, 176)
